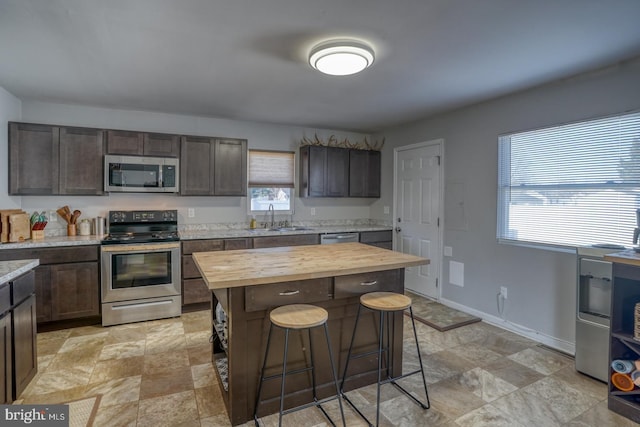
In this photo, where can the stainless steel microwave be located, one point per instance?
(141, 174)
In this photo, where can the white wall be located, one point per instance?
(207, 209)
(9, 111)
(541, 284)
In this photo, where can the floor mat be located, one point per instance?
(437, 315)
(82, 412)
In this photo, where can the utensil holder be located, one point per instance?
(37, 234)
(71, 229)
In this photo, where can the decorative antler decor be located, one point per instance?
(345, 143)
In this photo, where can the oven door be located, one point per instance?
(137, 271)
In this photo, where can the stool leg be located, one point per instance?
(380, 351)
(313, 366)
(333, 372)
(264, 365)
(424, 380)
(284, 372)
(353, 337)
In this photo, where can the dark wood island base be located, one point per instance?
(239, 345)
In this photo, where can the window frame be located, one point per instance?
(290, 186)
(627, 140)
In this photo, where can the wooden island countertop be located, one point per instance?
(247, 267)
(629, 257)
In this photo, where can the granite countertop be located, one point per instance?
(9, 270)
(229, 233)
(246, 267)
(629, 257)
(54, 241)
(238, 233)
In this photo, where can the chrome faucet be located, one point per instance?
(273, 211)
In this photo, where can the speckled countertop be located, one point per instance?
(9, 270)
(231, 233)
(224, 233)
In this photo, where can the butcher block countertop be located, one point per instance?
(247, 267)
(630, 257)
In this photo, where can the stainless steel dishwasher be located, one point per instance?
(327, 239)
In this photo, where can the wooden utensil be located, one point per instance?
(64, 213)
(75, 216)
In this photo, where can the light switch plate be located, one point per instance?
(386, 210)
(313, 211)
(448, 251)
(191, 212)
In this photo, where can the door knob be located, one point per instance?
(398, 229)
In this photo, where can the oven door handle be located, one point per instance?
(141, 247)
(143, 304)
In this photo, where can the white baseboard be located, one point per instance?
(553, 342)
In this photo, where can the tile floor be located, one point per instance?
(159, 373)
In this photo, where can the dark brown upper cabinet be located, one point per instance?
(49, 160)
(133, 143)
(81, 163)
(213, 166)
(364, 173)
(324, 171)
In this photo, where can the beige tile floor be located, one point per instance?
(159, 373)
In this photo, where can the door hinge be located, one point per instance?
(436, 282)
(438, 221)
(438, 157)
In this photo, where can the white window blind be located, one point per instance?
(271, 169)
(570, 185)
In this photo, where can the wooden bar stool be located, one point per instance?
(385, 303)
(298, 317)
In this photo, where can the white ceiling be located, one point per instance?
(246, 60)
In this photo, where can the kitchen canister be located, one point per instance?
(84, 227)
(98, 226)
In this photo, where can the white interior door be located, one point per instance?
(418, 196)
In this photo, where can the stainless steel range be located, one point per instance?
(140, 270)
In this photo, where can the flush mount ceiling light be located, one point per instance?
(341, 58)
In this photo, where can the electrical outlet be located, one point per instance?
(313, 211)
(191, 212)
(53, 216)
(448, 251)
(503, 291)
(386, 210)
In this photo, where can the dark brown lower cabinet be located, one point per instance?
(67, 281)
(25, 360)
(18, 352)
(5, 359)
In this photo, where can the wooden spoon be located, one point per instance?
(76, 215)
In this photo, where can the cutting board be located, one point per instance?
(4, 223)
(19, 227)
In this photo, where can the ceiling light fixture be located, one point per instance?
(341, 58)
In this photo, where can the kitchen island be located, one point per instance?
(249, 283)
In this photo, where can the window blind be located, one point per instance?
(570, 185)
(271, 169)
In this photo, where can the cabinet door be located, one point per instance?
(161, 145)
(33, 159)
(5, 359)
(74, 290)
(25, 357)
(81, 161)
(125, 142)
(337, 172)
(364, 173)
(230, 167)
(43, 293)
(313, 162)
(196, 166)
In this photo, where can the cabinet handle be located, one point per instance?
(288, 293)
(370, 283)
